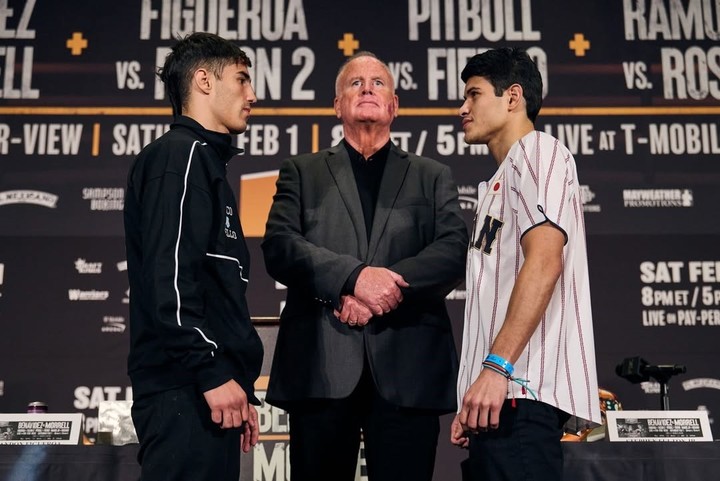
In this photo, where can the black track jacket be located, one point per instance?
(188, 266)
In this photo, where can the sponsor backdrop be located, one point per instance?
(632, 87)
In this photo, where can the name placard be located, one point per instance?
(55, 428)
(674, 426)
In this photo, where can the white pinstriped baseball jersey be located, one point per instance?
(536, 182)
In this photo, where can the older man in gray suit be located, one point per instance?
(368, 240)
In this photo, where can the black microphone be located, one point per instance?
(637, 370)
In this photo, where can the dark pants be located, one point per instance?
(525, 447)
(179, 441)
(400, 443)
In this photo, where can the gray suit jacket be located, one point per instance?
(315, 238)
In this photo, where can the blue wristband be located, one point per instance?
(501, 362)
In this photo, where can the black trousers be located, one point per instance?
(525, 447)
(400, 443)
(179, 441)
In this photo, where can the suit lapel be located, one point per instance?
(339, 164)
(392, 180)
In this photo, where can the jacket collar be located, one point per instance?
(221, 143)
(395, 170)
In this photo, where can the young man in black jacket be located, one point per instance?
(194, 353)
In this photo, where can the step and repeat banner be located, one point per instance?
(632, 87)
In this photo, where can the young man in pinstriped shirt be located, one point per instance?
(528, 356)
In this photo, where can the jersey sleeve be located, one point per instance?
(541, 182)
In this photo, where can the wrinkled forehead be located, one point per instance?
(364, 67)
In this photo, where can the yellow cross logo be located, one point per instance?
(76, 43)
(579, 44)
(348, 44)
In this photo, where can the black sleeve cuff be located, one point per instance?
(349, 287)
